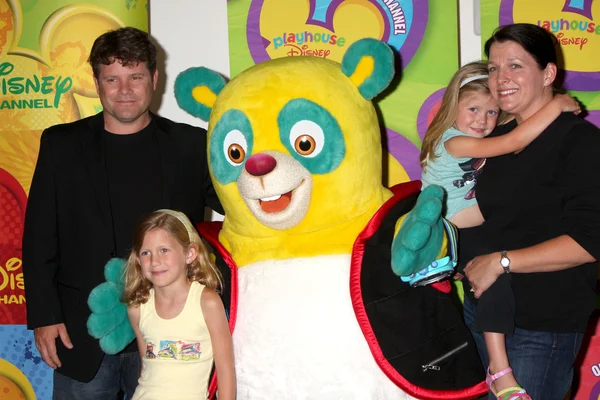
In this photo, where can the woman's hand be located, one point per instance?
(483, 271)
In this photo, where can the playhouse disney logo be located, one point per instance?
(571, 32)
(299, 44)
(326, 28)
(33, 91)
(576, 26)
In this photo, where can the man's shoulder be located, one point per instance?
(172, 126)
(71, 128)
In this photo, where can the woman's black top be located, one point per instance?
(549, 189)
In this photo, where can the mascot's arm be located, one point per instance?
(421, 241)
(108, 321)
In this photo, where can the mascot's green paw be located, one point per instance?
(119, 338)
(104, 298)
(108, 321)
(100, 324)
(420, 237)
(113, 271)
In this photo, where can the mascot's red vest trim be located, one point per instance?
(416, 335)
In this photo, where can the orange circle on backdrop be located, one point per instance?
(14, 385)
(9, 390)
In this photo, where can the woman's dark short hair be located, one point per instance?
(537, 41)
(128, 45)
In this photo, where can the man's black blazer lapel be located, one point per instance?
(95, 162)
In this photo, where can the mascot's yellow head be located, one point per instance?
(294, 150)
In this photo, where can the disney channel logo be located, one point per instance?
(43, 85)
(11, 277)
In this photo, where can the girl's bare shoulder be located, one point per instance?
(210, 300)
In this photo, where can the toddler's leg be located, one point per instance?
(495, 317)
(496, 348)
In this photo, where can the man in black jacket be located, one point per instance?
(94, 179)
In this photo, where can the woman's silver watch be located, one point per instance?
(505, 261)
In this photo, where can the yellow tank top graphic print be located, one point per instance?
(179, 355)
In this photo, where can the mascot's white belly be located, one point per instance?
(297, 337)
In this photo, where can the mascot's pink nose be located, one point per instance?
(260, 164)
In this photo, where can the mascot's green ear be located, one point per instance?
(369, 64)
(196, 90)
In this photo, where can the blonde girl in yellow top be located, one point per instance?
(178, 317)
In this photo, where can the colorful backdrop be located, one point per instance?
(423, 32)
(44, 80)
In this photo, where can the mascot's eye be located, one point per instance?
(305, 145)
(235, 147)
(307, 138)
(236, 153)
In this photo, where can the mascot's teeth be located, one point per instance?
(272, 198)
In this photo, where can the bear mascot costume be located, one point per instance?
(324, 267)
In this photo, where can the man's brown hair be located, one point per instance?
(128, 45)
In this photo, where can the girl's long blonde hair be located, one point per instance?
(446, 116)
(202, 269)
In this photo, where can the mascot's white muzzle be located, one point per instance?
(276, 188)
